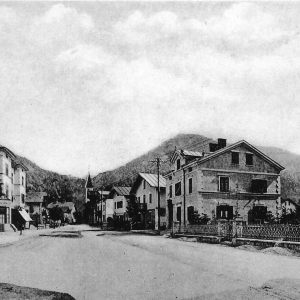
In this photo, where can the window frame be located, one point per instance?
(190, 185)
(178, 188)
(221, 185)
(248, 155)
(235, 160)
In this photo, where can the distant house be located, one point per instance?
(145, 189)
(120, 195)
(289, 205)
(101, 205)
(223, 182)
(68, 209)
(34, 202)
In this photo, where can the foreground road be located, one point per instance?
(114, 266)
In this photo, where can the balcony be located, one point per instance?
(142, 206)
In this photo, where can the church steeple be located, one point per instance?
(88, 183)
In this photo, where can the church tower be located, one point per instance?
(88, 187)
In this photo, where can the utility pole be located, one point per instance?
(158, 161)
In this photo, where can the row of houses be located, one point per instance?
(221, 182)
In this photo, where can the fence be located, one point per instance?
(235, 228)
(272, 232)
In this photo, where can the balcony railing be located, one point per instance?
(143, 206)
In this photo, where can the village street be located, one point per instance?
(103, 265)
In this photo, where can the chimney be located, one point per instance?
(221, 143)
(213, 147)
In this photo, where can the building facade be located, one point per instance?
(120, 195)
(145, 189)
(13, 188)
(222, 183)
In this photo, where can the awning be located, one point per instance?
(25, 215)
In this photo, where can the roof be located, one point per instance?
(89, 183)
(7, 151)
(231, 147)
(64, 206)
(120, 190)
(185, 153)
(152, 180)
(35, 197)
(292, 201)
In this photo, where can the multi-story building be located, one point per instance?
(145, 189)
(13, 189)
(222, 182)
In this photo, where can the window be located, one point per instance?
(115, 205)
(259, 186)
(22, 180)
(224, 184)
(170, 177)
(12, 177)
(150, 198)
(178, 189)
(224, 212)
(249, 159)
(178, 214)
(120, 204)
(6, 191)
(190, 169)
(144, 184)
(170, 191)
(178, 164)
(235, 158)
(190, 185)
(144, 198)
(139, 199)
(6, 169)
(190, 212)
(23, 198)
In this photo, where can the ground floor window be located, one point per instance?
(225, 212)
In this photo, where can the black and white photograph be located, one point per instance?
(149, 150)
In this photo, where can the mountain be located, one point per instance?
(58, 187)
(125, 175)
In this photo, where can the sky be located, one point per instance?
(93, 85)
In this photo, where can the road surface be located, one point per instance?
(110, 266)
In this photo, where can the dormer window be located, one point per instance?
(235, 158)
(178, 164)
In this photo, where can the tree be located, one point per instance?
(132, 208)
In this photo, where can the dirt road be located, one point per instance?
(145, 267)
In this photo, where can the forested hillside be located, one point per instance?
(125, 175)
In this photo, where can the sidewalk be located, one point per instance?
(10, 237)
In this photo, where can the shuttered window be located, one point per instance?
(178, 189)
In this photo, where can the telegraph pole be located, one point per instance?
(158, 161)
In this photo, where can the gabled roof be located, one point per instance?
(88, 183)
(120, 190)
(231, 147)
(152, 180)
(36, 197)
(188, 153)
(290, 200)
(7, 151)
